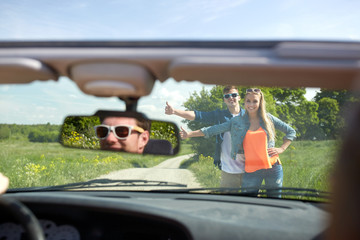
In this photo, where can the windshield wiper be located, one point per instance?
(264, 192)
(101, 183)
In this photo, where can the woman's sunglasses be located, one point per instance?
(120, 131)
(234, 95)
(256, 90)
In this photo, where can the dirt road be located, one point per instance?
(166, 175)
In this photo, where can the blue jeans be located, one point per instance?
(273, 179)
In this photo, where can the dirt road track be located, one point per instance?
(167, 171)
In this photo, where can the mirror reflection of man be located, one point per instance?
(231, 171)
(123, 134)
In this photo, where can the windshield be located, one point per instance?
(301, 128)
(180, 20)
(33, 114)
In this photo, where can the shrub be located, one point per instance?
(4, 132)
(207, 174)
(38, 136)
(163, 130)
(79, 140)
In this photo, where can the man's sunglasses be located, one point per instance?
(256, 90)
(120, 131)
(234, 95)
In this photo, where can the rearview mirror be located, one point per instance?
(120, 131)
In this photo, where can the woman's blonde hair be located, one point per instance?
(262, 112)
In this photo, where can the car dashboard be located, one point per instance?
(140, 215)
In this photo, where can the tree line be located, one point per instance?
(34, 133)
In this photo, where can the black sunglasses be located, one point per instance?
(120, 131)
(234, 95)
(256, 90)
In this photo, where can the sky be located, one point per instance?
(337, 20)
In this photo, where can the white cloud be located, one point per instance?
(148, 108)
(73, 96)
(4, 88)
(311, 92)
(175, 97)
(354, 37)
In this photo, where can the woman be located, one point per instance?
(253, 135)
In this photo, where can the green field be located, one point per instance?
(306, 164)
(29, 164)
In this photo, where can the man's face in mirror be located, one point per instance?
(122, 134)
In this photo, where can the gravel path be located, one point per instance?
(166, 175)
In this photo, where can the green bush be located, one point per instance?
(79, 140)
(38, 136)
(164, 130)
(5, 132)
(80, 124)
(78, 132)
(206, 173)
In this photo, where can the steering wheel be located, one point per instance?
(24, 216)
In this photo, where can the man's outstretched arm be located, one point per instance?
(169, 110)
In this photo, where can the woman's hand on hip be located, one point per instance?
(275, 151)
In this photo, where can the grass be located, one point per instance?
(30, 164)
(185, 149)
(206, 173)
(306, 164)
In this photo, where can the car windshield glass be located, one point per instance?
(298, 130)
(32, 157)
(180, 20)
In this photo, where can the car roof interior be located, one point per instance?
(130, 68)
